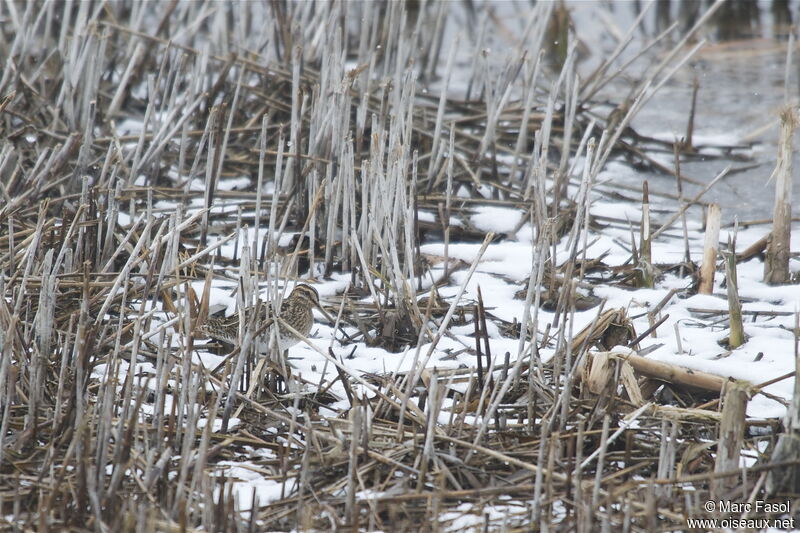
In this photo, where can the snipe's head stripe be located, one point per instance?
(306, 292)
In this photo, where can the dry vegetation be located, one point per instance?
(320, 106)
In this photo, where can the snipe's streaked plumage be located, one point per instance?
(295, 311)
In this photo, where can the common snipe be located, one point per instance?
(295, 311)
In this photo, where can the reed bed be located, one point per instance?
(152, 152)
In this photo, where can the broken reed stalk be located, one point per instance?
(776, 262)
(710, 249)
(478, 351)
(687, 256)
(600, 373)
(736, 337)
(687, 143)
(645, 247)
(731, 435)
(484, 337)
(672, 373)
(645, 267)
(787, 479)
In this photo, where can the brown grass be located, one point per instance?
(101, 231)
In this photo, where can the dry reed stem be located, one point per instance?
(107, 396)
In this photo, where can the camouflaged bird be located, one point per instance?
(295, 311)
